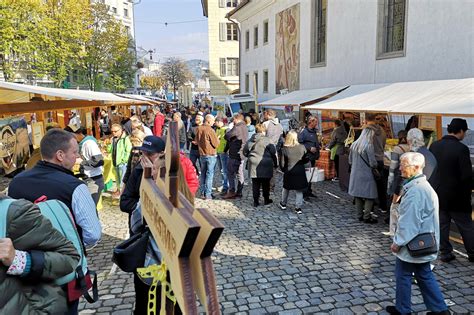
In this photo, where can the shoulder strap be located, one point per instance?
(365, 161)
(4, 206)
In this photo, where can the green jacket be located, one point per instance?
(53, 256)
(220, 132)
(124, 147)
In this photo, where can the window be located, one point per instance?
(247, 79)
(318, 32)
(232, 31)
(223, 67)
(125, 12)
(255, 36)
(247, 40)
(255, 82)
(114, 10)
(265, 32)
(232, 3)
(265, 81)
(232, 66)
(127, 28)
(391, 28)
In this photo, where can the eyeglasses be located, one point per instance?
(114, 131)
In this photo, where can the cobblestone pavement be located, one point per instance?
(274, 261)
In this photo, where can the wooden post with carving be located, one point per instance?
(186, 236)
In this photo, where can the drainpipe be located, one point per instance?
(239, 34)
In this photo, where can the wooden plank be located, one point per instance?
(45, 106)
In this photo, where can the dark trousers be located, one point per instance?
(264, 183)
(336, 164)
(465, 226)
(309, 190)
(194, 157)
(382, 187)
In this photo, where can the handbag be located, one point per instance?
(375, 171)
(423, 244)
(350, 138)
(130, 254)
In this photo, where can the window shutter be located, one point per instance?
(223, 69)
(221, 3)
(222, 32)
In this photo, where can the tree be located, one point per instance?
(175, 72)
(120, 72)
(153, 82)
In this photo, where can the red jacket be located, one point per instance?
(189, 173)
(158, 126)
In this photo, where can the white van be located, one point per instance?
(228, 105)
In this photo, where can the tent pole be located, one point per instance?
(439, 127)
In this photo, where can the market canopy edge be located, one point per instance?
(13, 93)
(302, 97)
(439, 97)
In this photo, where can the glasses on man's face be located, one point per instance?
(114, 131)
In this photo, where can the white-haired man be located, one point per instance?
(418, 213)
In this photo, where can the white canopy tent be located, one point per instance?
(441, 97)
(302, 97)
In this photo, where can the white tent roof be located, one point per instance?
(302, 97)
(443, 97)
(22, 93)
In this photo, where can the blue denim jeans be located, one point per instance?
(120, 171)
(208, 164)
(429, 287)
(222, 162)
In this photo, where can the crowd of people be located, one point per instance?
(218, 157)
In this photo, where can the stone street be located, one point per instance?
(274, 261)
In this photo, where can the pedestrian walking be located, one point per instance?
(181, 130)
(292, 164)
(158, 123)
(236, 139)
(454, 186)
(120, 149)
(418, 212)
(136, 139)
(194, 149)
(309, 138)
(207, 143)
(338, 136)
(261, 154)
(222, 156)
(362, 185)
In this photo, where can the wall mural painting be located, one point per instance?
(287, 49)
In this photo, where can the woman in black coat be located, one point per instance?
(261, 154)
(293, 165)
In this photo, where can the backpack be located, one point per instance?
(79, 280)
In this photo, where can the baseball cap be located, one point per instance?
(458, 124)
(152, 144)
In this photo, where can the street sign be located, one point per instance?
(186, 236)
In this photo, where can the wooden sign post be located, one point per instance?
(186, 236)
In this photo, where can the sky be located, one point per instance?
(186, 39)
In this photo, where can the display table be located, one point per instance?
(326, 164)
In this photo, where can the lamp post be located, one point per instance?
(137, 75)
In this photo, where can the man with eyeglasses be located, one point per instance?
(120, 149)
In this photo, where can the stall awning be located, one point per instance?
(302, 97)
(18, 98)
(441, 97)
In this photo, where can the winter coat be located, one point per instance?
(120, 150)
(274, 130)
(338, 137)
(189, 173)
(361, 182)
(133, 161)
(261, 155)
(309, 138)
(418, 213)
(379, 141)
(236, 139)
(53, 256)
(220, 132)
(158, 124)
(293, 162)
(394, 183)
(454, 174)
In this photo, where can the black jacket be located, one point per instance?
(454, 174)
(131, 194)
(236, 139)
(309, 138)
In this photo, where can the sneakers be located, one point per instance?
(335, 179)
(298, 211)
(393, 310)
(447, 258)
(282, 206)
(447, 312)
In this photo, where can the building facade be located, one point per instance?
(291, 45)
(223, 46)
(122, 10)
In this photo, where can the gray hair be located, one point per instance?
(364, 142)
(414, 159)
(415, 139)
